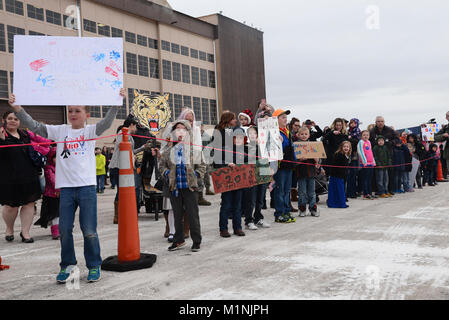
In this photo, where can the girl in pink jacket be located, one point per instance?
(368, 163)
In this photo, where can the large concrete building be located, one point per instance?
(210, 63)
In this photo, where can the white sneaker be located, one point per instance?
(251, 226)
(263, 224)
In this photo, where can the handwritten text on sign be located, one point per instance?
(68, 70)
(309, 150)
(240, 177)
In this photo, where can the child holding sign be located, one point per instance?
(76, 178)
(306, 173)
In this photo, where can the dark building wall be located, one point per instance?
(241, 68)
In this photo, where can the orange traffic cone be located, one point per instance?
(440, 177)
(3, 267)
(129, 257)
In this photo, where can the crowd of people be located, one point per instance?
(370, 163)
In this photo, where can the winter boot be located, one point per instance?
(115, 212)
(202, 201)
(209, 192)
(167, 229)
(55, 232)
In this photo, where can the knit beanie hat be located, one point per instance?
(249, 115)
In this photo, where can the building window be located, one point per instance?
(211, 79)
(187, 101)
(131, 63)
(178, 105)
(154, 68)
(122, 114)
(4, 84)
(203, 56)
(130, 97)
(34, 33)
(141, 40)
(175, 48)
(116, 33)
(1, 5)
(184, 51)
(95, 111)
(155, 93)
(90, 26)
(53, 17)
(130, 37)
(35, 13)
(12, 31)
(165, 45)
(185, 73)
(176, 72)
(197, 108)
(194, 53)
(104, 30)
(70, 22)
(195, 76)
(143, 66)
(213, 112)
(11, 78)
(2, 38)
(210, 58)
(153, 43)
(203, 76)
(166, 69)
(14, 6)
(205, 108)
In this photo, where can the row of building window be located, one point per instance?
(56, 18)
(149, 67)
(205, 109)
(11, 32)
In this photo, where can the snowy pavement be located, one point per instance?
(382, 249)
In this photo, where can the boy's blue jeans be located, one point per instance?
(100, 183)
(86, 199)
(231, 206)
(306, 191)
(382, 181)
(283, 184)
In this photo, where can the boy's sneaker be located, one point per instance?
(280, 219)
(314, 211)
(63, 275)
(367, 197)
(383, 196)
(196, 247)
(251, 226)
(261, 223)
(94, 275)
(176, 246)
(290, 217)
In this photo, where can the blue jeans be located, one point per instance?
(231, 206)
(382, 181)
(261, 191)
(367, 180)
(306, 192)
(397, 180)
(249, 203)
(100, 183)
(406, 180)
(86, 199)
(352, 179)
(283, 184)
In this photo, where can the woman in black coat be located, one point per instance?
(333, 139)
(19, 183)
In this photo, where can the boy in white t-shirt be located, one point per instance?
(76, 177)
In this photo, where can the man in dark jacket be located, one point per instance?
(317, 133)
(389, 134)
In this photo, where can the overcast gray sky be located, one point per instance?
(322, 60)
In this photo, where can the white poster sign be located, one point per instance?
(269, 139)
(68, 70)
(428, 132)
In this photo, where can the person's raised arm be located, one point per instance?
(26, 120)
(106, 122)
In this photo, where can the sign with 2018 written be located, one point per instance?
(239, 177)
